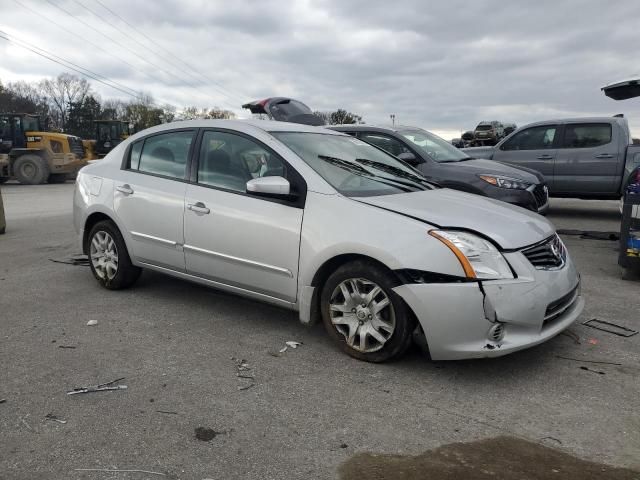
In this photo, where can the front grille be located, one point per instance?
(541, 194)
(557, 307)
(76, 146)
(547, 255)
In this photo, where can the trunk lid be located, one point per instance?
(284, 109)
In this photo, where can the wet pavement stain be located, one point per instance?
(501, 458)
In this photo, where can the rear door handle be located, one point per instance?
(604, 155)
(126, 189)
(545, 157)
(198, 207)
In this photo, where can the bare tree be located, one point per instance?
(219, 113)
(324, 116)
(191, 113)
(339, 117)
(61, 92)
(114, 109)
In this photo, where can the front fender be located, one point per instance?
(334, 225)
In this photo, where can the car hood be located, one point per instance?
(509, 226)
(491, 167)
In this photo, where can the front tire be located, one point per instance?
(363, 314)
(108, 257)
(31, 170)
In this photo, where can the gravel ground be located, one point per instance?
(309, 411)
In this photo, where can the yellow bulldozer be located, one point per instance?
(33, 156)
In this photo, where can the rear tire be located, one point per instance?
(31, 170)
(58, 178)
(108, 257)
(358, 300)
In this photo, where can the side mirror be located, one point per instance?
(410, 158)
(269, 186)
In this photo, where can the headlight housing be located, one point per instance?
(506, 182)
(478, 257)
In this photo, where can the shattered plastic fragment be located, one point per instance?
(91, 323)
(293, 344)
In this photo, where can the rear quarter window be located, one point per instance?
(586, 135)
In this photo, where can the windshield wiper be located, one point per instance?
(394, 171)
(363, 172)
(339, 162)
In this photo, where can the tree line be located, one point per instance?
(68, 104)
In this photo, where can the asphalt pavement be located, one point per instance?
(306, 413)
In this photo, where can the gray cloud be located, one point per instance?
(440, 65)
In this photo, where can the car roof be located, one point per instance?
(621, 120)
(243, 125)
(371, 128)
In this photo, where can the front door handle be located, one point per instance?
(604, 155)
(126, 189)
(545, 157)
(198, 207)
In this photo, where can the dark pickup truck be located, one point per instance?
(587, 158)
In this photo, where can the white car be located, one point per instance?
(320, 222)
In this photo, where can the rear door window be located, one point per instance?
(165, 154)
(586, 135)
(534, 138)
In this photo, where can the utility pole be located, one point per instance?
(393, 119)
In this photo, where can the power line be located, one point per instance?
(123, 46)
(29, 46)
(62, 27)
(241, 97)
(90, 75)
(220, 88)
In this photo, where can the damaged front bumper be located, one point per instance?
(495, 317)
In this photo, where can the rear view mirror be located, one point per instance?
(410, 158)
(270, 186)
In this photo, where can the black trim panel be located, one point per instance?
(412, 276)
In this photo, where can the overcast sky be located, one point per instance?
(441, 65)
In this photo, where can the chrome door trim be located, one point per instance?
(144, 236)
(222, 286)
(231, 258)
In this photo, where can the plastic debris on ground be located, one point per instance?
(288, 344)
(610, 327)
(99, 388)
(244, 374)
(78, 259)
(55, 418)
(91, 323)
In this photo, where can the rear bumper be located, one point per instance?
(457, 318)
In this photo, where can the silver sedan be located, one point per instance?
(322, 223)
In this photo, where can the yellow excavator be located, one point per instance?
(33, 156)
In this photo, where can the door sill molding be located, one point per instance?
(223, 286)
